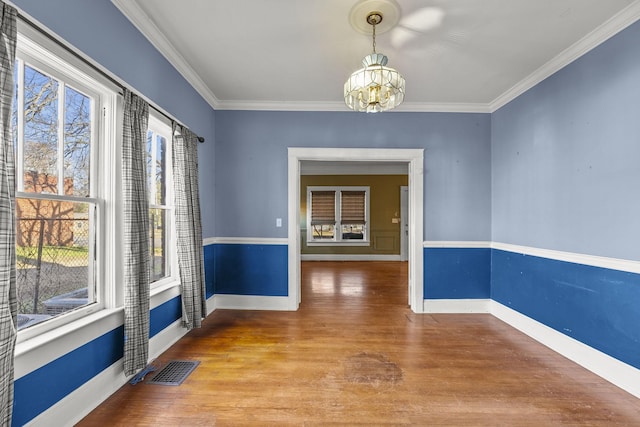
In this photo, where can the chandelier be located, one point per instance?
(375, 87)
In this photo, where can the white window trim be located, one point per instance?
(337, 235)
(159, 126)
(45, 55)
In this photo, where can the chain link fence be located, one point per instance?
(52, 260)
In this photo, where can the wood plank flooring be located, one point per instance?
(355, 354)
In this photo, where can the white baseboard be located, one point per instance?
(75, 406)
(616, 372)
(165, 339)
(211, 305)
(251, 302)
(348, 257)
(456, 306)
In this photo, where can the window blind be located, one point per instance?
(352, 207)
(323, 207)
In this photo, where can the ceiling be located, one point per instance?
(456, 55)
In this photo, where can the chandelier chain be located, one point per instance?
(374, 37)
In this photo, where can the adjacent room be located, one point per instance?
(362, 212)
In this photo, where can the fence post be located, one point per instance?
(36, 293)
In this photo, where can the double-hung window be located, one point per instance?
(337, 215)
(161, 212)
(59, 122)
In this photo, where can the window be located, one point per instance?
(323, 214)
(337, 215)
(59, 121)
(353, 216)
(161, 219)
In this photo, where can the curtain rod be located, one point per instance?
(28, 20)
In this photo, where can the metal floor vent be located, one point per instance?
(174, 373)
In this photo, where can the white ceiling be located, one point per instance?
(456, 55)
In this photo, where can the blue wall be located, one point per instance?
(596, 306)
(251, 269)
(457, 273)
(251, 159)
(565, 177)
(565, 157)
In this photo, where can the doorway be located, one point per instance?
(414, 158)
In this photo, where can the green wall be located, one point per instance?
(384, 235)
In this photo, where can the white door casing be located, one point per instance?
(415, 160)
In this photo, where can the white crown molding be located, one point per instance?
(282, 106)
(141, 21)
(445, 107)
(145, 25)
(602, 33)
(416, 107)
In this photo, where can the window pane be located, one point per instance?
(352, 231)
(158, 244)
(40, 132)
(77, 142)
(52, 259)
(325, 231)
(14, 105)
(160, 171)
(150, 163)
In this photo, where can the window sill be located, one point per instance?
(163, 292)
(34, 351)
(63, 339)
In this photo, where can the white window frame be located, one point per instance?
(337, 235)
(46, 56)
(159, 126)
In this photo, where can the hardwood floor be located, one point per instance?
(355, 354)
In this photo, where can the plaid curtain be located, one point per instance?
(136, 233)
(8, 301)
(188, 227)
